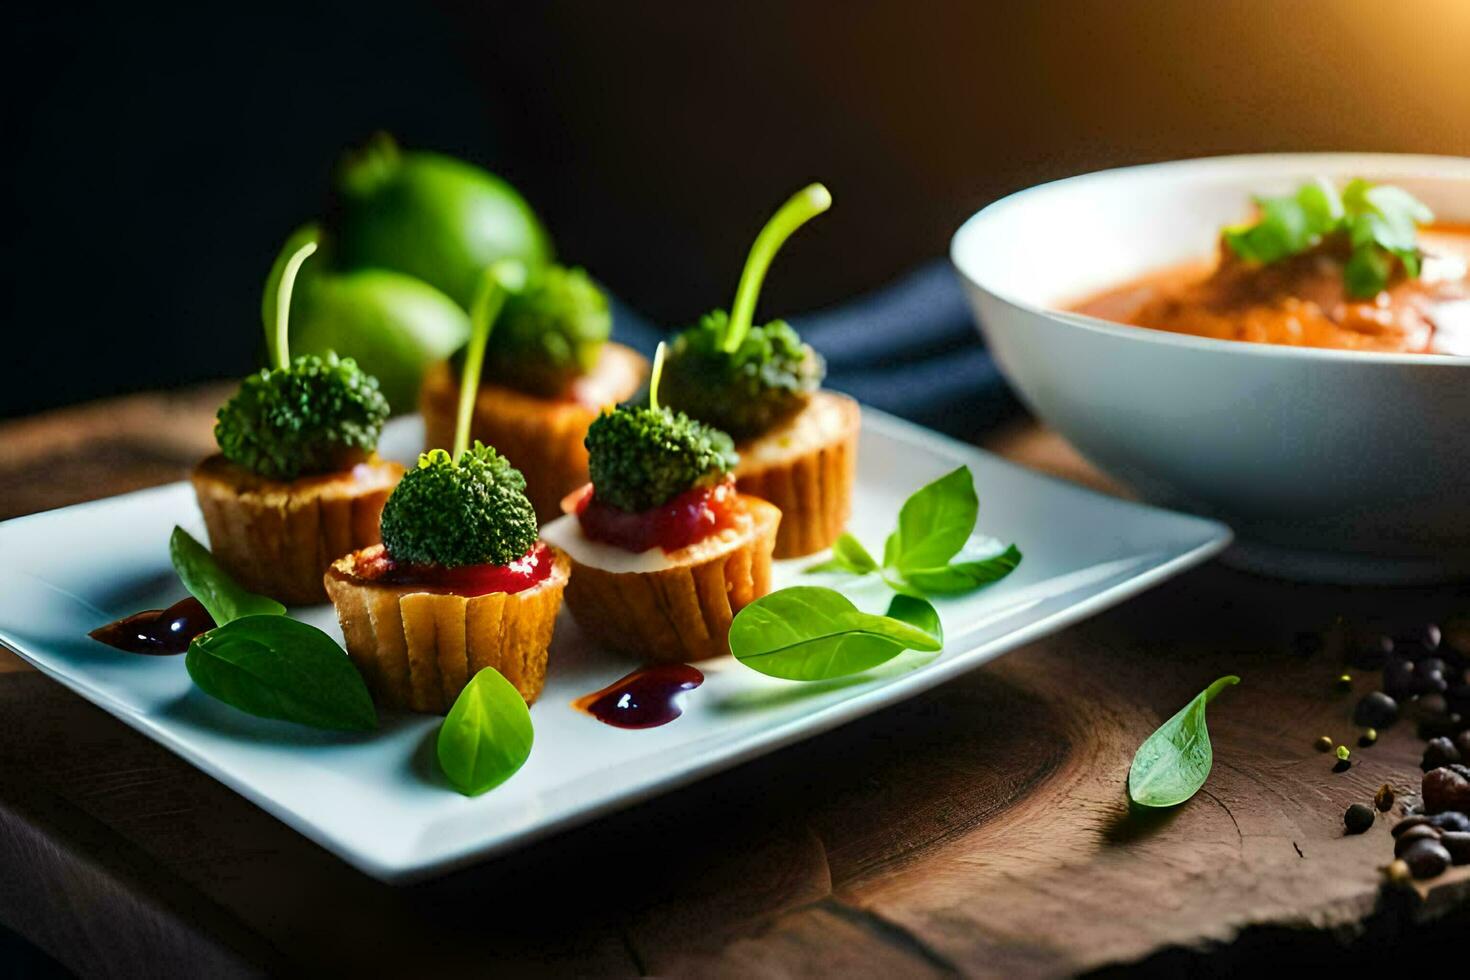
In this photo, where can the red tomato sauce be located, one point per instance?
(688, 518)
(376, 565)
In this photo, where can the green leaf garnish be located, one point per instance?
(848, 555)
(1379, 222)
(486, 736)
(1173, 763)
(934, 525)
(216, 591)
(963, 576)
(278, 667)
(808, 633)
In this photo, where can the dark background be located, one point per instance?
(155, 158)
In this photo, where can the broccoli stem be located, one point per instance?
(804, 205)
(275, 307)
(497, 281)
(657, 375)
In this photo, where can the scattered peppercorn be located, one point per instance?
(1376, 710)
(1411, 836)
(1343, 752)
(1397, 873)
(1345, 682)
(1426, 858)
(1439, 752)
(1324, 744)
(1383, 799)
(1447, 788)
(1358, 818)
(1457, 842)
(1368, 737)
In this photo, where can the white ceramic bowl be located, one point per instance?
(1334, 465)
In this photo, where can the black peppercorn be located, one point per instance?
(1457, 842)
(1407, 839)
(1358, 818)
(1376, 710)
(1419, 640)
(1426, 858)
(1439, 752)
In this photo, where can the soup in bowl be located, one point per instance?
(1224, 338)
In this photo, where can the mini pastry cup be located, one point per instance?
(807, 467)
(278, 537)
(682, 612)
(542, 437)
(417, 649)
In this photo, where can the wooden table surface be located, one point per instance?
(979, 828)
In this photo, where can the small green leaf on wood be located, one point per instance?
(1174, 762)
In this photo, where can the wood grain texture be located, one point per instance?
(980, 828)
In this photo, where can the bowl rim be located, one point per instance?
(1396, 164)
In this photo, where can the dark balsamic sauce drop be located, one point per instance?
(157, 631)
(645, 698)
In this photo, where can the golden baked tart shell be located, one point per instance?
(542, 437)
(807, 467)
(278, 537)
(418, 648)
(681, 612)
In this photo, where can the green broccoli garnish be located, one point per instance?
(743, 378)
(551, 333)
(467, 511)
(314, 416)
(642, 457)
(769, 377)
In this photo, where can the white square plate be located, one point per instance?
(378, 801)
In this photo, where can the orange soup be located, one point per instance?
(1302, 301)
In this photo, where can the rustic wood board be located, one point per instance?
(979, 828)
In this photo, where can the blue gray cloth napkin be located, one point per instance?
(910, 348)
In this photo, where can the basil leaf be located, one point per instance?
(487, 735)
(807, 633)
(918, 613)
(963, 576)
(212, 585)
(277, 667)
(1288, 225)
(934, 523)
(1173, 763)
(848, 555)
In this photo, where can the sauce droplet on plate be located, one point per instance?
(645, 698)
(157, 631)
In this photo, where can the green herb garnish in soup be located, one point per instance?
(1376, 224)
(1353, 268)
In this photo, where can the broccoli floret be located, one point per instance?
(769, 377)
(315, 416)
(470, 511)
(640, 458)
(549, 334)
